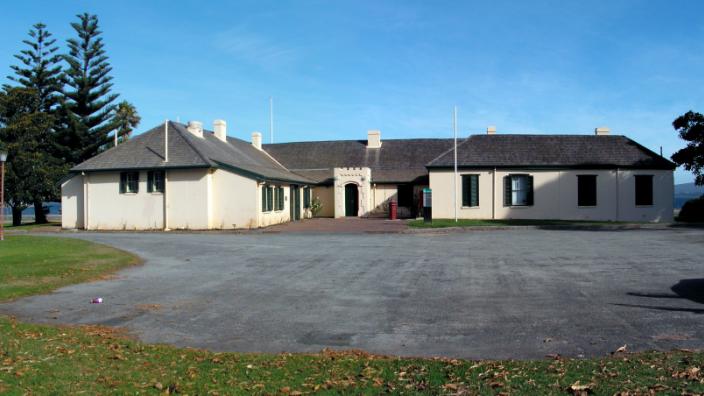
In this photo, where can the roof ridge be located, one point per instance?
(448, 150)
(178, 128)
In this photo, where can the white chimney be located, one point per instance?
(373, 139)
(601, 131)
(257, 140)
(196, 128)
(491, 130)
(220, 129)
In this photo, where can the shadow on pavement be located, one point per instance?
(688, 289)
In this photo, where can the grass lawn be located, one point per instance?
(36, 264)
(442, 223)
(52, 225)
(48, 360)
(40, 359)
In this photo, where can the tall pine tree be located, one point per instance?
(88, 101)
(40, 71)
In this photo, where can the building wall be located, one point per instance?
(187, 197)
(72, 203)
(107, 209)
(555, 196)
(234, 200)
(382, 194)
(326, 195)
(274, 216)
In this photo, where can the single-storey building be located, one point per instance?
(178, 176)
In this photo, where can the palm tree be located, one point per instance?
(125, 119)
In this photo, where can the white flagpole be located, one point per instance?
(454, 126)
(271, 119)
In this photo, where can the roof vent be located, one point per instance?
(601, 131)
(196, 128)
(257, 140)
(373, 139)
(491, 130)
(220, 129)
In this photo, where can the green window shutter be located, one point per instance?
(507, 190)
(281, 198)
(161, 180)
(269, 198)
(466, 188)
(263, 198)
(123, 182)
(150, 181)
(474, 190)
(529, 180)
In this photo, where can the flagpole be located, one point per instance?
(454, 126)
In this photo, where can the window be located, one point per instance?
(518, 190)
(306, 197)
(404, 195)
(586, 190)
(129, 182)
(155, 181)
(470, 190)
(279, 198)
(267, 198)
(644, 190)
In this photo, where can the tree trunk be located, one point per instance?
(16, 216)
(39, 215)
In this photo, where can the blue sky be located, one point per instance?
(337, 69)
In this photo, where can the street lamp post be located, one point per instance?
(3, 158)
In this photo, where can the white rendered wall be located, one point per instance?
(555, 196)
(72, 203)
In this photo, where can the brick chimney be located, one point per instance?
(257, 140)
(220, 129)
(601, 131)
(196, 128)
(373, 139)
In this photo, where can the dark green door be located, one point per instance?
(351, 200)
(295, 207)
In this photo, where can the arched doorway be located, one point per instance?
(351, 200)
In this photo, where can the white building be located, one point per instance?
(207, 180)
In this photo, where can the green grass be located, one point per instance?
(32, 226)
(442, 223)
(40, 359)
(36, 264)
(91, 360)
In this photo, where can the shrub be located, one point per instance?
(693, 210)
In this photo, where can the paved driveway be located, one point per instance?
(486, 294)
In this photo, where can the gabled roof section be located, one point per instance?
(570, 151)
(396, 161)
(146, 151)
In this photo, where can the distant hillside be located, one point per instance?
(686, 191)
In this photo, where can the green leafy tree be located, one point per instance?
(31, 171)
(40, 70)
(126, 119)
(88, 99)
(690, 127)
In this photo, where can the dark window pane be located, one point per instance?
(644, 190)
(470, 190)
(586, 190)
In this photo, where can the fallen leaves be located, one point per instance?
(579, 389)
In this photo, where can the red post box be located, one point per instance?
(393, 210)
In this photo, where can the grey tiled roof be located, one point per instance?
(571, 151)
(146, 151)
(398, 160)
